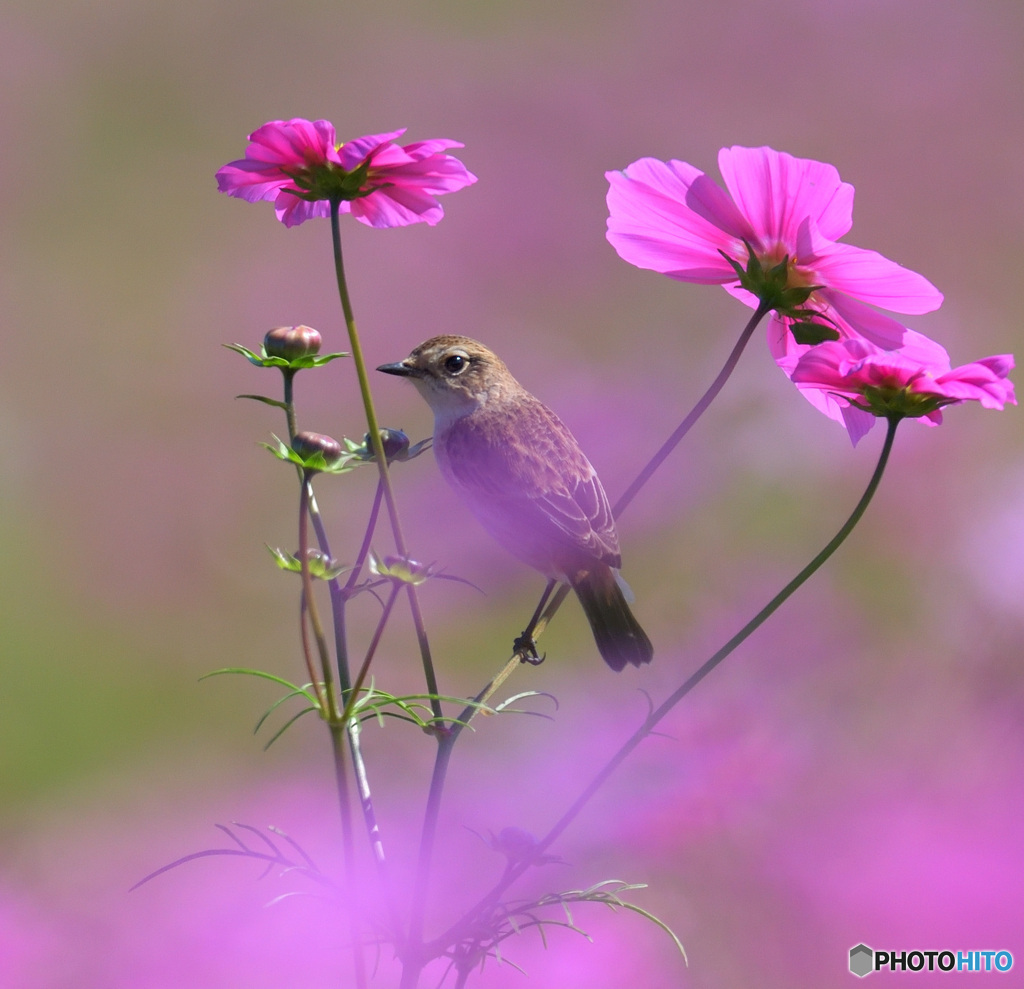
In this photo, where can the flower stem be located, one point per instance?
(330, 713)
(693, 415)
(337, 598)
(413, 956)
(328, 700)
(364, 549)
(465, 924)
(378, 451)
(370, 652)
(338, 750)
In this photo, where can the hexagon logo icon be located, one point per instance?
(861, 960)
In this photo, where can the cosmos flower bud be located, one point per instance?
(292, 342)
(395, 442)
(396, 446)
(308, 445)
(518, 845)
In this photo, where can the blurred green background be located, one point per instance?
(852, 774)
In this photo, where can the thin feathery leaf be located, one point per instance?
(526, 693)
(231, 834)
(291, 841)
(280, 731)
(206, 853)
(266, 401)
(261, 674)
(273, 707)
(259, 834)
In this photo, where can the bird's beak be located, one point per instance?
(400, 368)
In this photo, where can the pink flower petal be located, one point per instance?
(399, 187)
(852, 370)
(292, 211)
(397, 206)
(984, 381)
(671, 218)
(249, 180)
(651, 224)
(872, 278)
(296, 142)
(353, 153)
(858, 319)
(776, 192)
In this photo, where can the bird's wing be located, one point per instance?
(527, 480)
(584, 515)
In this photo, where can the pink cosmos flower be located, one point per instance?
(299, 165)
(671, 218)
(864, 382)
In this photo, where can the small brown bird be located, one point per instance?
(522, 474)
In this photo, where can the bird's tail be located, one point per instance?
(619, 637)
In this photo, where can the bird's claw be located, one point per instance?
(526, 649)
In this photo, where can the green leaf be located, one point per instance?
(266, 401)
(263, 675)
(810, 332)
(295, 717)
(273, 707)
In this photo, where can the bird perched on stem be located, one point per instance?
(522, 474)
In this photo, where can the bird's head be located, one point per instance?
(456, 375)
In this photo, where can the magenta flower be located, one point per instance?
(781, 213)
(863, 383)
(299, 165)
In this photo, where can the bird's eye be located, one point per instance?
(456, 364)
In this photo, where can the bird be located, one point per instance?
(520, 471)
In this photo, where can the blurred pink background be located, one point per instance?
(852, 774)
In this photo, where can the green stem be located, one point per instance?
(694, 414)
(328, 701)
(461, 927)
(348, 843)
(364, 549)
(377, 443)
(373, 831)
(329, 711)
(337, 598)
(370, 652)
(413, 956)
(289, 402)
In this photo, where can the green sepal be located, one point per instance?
(402, 570)
(316, 463)
(772, 288)
(396, 446)
(320, 566)
(328, 181)
(898, 403)
(298, 364)
(810, 331)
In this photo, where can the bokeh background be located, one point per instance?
(852, 774)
